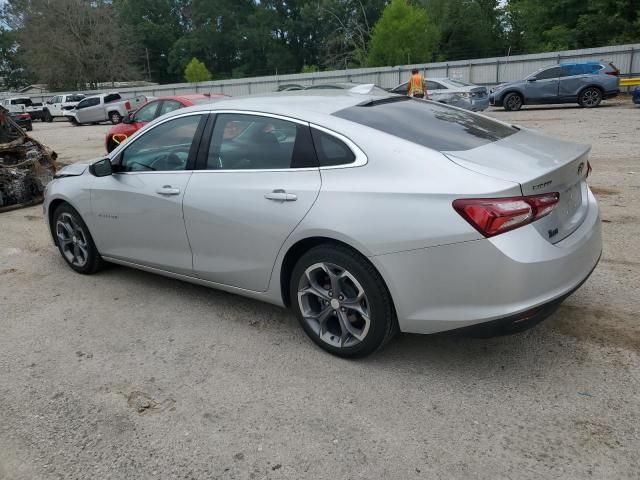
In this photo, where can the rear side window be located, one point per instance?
(255, 142)
(112, 97)
(330, 150)
(429, 124)
(74, 98)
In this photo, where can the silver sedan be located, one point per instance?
(366, 214)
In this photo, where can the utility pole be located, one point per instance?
(148, 64)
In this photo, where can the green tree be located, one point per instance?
(196, 71)
(157, 25)
(404, 34)
(468, 28)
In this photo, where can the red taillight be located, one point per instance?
(492, 216)
(24, 116)
(589, 169)
(615, 72)
(127, 106)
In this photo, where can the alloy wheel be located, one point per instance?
(72, 240)
(591, 98)
(334, 305)
(514, 102)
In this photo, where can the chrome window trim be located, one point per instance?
(360, 156)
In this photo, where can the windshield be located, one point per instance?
(429, 124)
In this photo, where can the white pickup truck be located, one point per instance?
(23, 104)
(58, 105)
(103, 107)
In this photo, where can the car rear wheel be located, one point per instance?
(590, 97)
(74, 240)
(512, 102)
(47, 117)
(115, 118)
(342, 302)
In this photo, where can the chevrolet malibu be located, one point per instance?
(366, 214)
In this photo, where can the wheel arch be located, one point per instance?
(591, 85)
(513, 90)
(300, 247)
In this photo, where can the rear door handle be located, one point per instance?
(281, 195)
(168, 190)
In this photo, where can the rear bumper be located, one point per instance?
(508, 276)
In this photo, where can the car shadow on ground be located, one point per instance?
(537, 348)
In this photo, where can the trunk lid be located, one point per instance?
(540, 164)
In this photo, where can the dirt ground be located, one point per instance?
(129, 375)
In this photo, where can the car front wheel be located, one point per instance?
(74, 240)
(342, 302)
(512, 102)
(590, 97)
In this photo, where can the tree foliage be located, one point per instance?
(404, 34)
(69, 43)
(196, 71)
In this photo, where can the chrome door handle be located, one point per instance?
(281, 195)
(168, 190)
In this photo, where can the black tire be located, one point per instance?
(78, 241)
(376, 301)
(29, 128)
(512, 102)
(115, 118)
(46, 117)
(590, 97)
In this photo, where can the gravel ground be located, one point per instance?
(129, 375)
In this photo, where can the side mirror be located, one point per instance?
(127, 119)
(101, 168)
(532, 79)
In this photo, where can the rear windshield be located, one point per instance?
(429, 124)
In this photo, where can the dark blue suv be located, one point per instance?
(585, 83)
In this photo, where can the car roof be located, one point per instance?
(578, 63)
(303, 104)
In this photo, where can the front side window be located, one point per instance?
(146, 113)
(554, 72)
(163, 148)
(89, 102)
(254, 142)
(331, 151)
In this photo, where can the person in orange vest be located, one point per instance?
(416, 85)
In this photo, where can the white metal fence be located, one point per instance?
(485, 71)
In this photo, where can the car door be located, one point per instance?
(55, 107)
(574, 78)
(86, 110)
(542, 87)
(259, 178)
(137, 211)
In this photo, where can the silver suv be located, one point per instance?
(585, 83)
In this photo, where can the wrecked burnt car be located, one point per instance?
(26, 166)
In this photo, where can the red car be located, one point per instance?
(150, 111)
